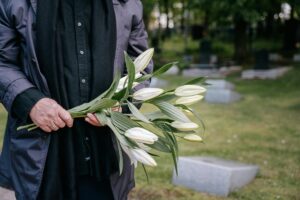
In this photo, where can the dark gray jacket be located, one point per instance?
(24, 153)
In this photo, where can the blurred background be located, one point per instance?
(250, 52)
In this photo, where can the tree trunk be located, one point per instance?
(240, 39)
(167, 10)
(182, 20)
(290, 32)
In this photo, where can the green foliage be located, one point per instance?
(261, 129)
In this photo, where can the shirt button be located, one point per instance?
(81, 52)
(83, 80)
(87, 158)
(87, 138)
(79, 24)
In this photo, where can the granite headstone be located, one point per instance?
(213, 175)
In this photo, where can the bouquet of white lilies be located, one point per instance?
(139, 134)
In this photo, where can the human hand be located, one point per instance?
(48, 115)
(92, 119)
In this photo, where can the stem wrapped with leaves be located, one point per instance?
(141, 135)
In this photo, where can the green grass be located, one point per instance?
(262, 129)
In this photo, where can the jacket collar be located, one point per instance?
(34, 3)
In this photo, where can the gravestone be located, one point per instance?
(230, 70)
(261, 59)
(221, 91)
(265, 74)
(213, 175)
(296, 58)
(173, 70)
(275, 57)
(159, 83)
(196, 72)
(6, 194)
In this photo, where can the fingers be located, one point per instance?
(50, 116)
(59, 122)
(92, 119)
(46, 129)
(117, 109)
(66, 117)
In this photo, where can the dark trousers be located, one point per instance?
(91, 189)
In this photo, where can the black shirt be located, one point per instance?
(75, 30)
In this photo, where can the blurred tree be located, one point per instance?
(241, 14)
(292, 27)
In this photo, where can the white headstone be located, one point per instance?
(155, 82)
(223, 96)
(296, 58)
(213, 175)
(265, 74)
(219, 84)
(173, 70)
(275, 57)
(194, 72)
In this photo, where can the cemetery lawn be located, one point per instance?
(262, 129)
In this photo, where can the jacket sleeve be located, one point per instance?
(137, 44)
(12, 80)
(138, 40)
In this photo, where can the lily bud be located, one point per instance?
(193, 138)
(142, 61)
(143, 157)
(189, 100)
(121, 86)
(133, 160)
(125, 78)
(145, 94)
(141, 135)
(189, 90)
(184, 126)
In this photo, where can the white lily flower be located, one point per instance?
(125, 79)
(133, 160)
(145, 94)
(193, 138)
(141, 135)
(184, 126)
(189, 100)
(122, 86)
(143, 146)
(142, 61)
(189, 90)
(143, 157)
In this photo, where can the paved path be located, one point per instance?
(6, 194)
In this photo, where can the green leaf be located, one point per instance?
(154, 115)
(137, 113)
(131, 74)
(143, 60)
(163, 69)
(144, 78)
(146, 173)
(119, 95)
(120, 156)
(101, 117)
(80, 108)
(159, 145)
(163, 97)
(122, 122)
(112, 89)
(102, 104)
(119, 136)
(195, 81)
(172, 111)
(194, 113)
